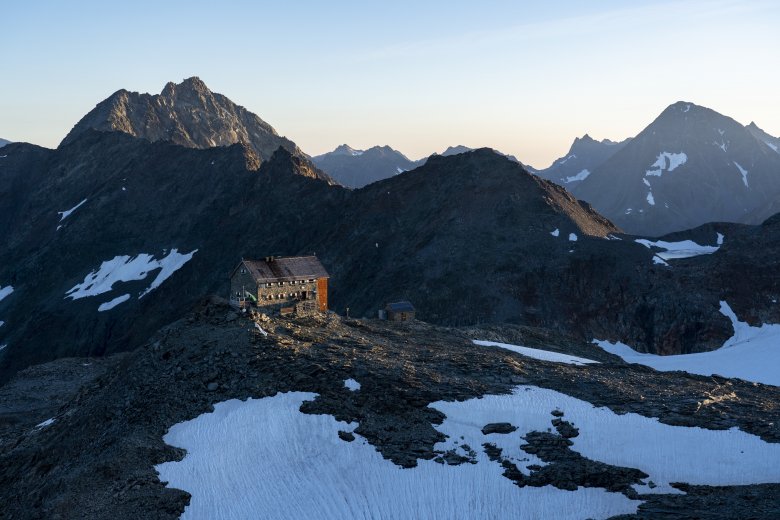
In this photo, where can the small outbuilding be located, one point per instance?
(399, 311)
(291, 284)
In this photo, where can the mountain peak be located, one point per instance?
(453, 150)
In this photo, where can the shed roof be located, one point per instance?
(402, 306)
(286, 268)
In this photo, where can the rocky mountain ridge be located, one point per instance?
(356, 168)
(584, 156)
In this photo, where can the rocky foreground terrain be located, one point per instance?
(79, 438)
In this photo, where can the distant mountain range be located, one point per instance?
(357, 168)
(690, 166)
(4, 142)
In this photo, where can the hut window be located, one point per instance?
(243, 271)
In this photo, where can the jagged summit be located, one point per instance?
(583, 157)
(188, 114)
(453, 150)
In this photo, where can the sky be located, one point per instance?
(520, 77)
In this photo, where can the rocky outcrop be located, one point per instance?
(96, 458)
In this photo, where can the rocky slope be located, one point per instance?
(471, 238)
(585, 155)
(356, 168)
(689, 167)
(770, 140)
(188, 114)
(95, 455)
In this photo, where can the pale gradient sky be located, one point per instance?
(418, 76)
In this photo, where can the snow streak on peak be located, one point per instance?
(667, 162)
(744, 173)
(65, 214)
(5, 291)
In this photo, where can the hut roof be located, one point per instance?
(286, 268)
(402, 306)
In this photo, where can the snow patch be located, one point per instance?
(650, 199)
(124, 269)
(563, 161)
(682, 249)
(555, 233)
(44, 424)
(579, 177)
(744, 173)
(352, 384)
(666, 162)
(261, 330)
(647, 183)
(572, 237)
(65, 214)
(772, 146)
(399, 169)
(658, 260)
(542, 355)
(720, 239)
(113, 303)
(263, 458)
(752, 354)
(3, 346)
(5, 291)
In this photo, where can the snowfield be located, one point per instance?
(682, 249)
(752, 354)
(263, 458)
(535, 353)
(124, 269)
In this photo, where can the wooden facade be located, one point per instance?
(293, 284)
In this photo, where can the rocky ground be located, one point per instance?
(96, 459)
